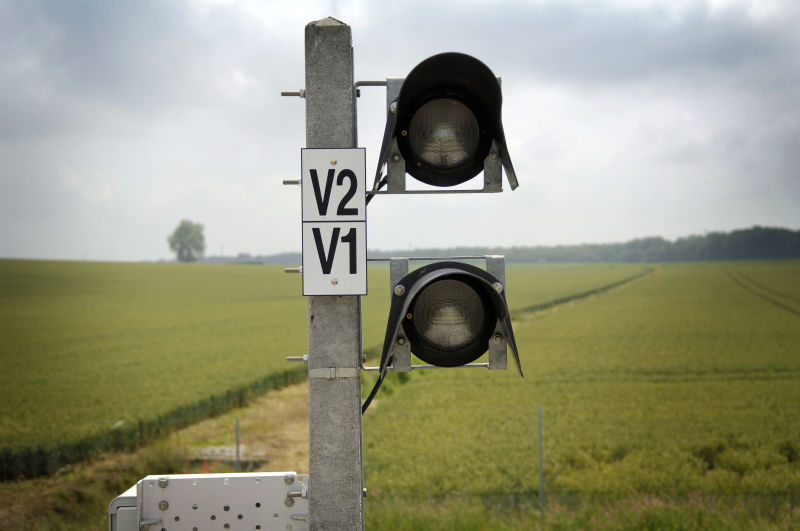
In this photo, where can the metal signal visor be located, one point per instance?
(444, 126)
(448, 314)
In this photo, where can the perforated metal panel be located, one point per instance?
(267, 500)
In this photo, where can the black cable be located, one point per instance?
(375, 388)
(383, 154)
(381, 183)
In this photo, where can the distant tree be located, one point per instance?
(187, 241)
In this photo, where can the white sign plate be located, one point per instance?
(334, 184)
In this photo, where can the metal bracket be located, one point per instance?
(333, 373)
(144, 525)
(396, 170)
(493, 171)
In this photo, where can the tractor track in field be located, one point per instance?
(751, 286)
(582, 295)
(761, 286)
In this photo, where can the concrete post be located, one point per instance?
(334, 322)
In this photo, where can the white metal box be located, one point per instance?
(253, 501)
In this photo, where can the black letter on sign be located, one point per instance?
(342, 211)
(351, 239)
(322, 202)
(326, 263)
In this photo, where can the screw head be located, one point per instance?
(393, 107)
(498, 287)
(163, 505)
(288, 502)
(399, 290)
(493, 156)
(497, 338)
(288, 479)
(163, 482)
(396, 157)
(401, 340)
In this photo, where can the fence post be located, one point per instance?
(238, 462)
(541, 463)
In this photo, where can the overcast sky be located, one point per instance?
(624, 119)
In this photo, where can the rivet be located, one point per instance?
(498, 287)
(393, 107)
(399, 290)
(498, 338)
(333, 162)
(401, 341)
(334, 281)
(396, 157)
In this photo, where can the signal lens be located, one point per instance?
(448, 314)
(444, 133)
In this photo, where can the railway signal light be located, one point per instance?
(448, 314)
(444, 126)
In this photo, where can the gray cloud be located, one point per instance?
(603, 42)
(624, 120)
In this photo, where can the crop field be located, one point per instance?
(533, 285)
(107, 355)
(676, 393)
(681, 385)
(678, 390)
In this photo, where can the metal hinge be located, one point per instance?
(144, 525)
(332, 373)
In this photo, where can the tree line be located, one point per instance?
(754, 243)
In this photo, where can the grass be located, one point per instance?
(670, 402)
(535, 284)
(88, 345)
(95, 354)
(680, 382)
(107, 355)
(636, 511)
(274, 426)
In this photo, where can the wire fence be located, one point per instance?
(751, 454)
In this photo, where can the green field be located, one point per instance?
(105, 355)
(682, 384)
(99, 355)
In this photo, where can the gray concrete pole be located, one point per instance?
(334, 322)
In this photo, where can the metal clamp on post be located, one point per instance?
(332, 373)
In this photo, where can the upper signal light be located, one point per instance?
(445, 125)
